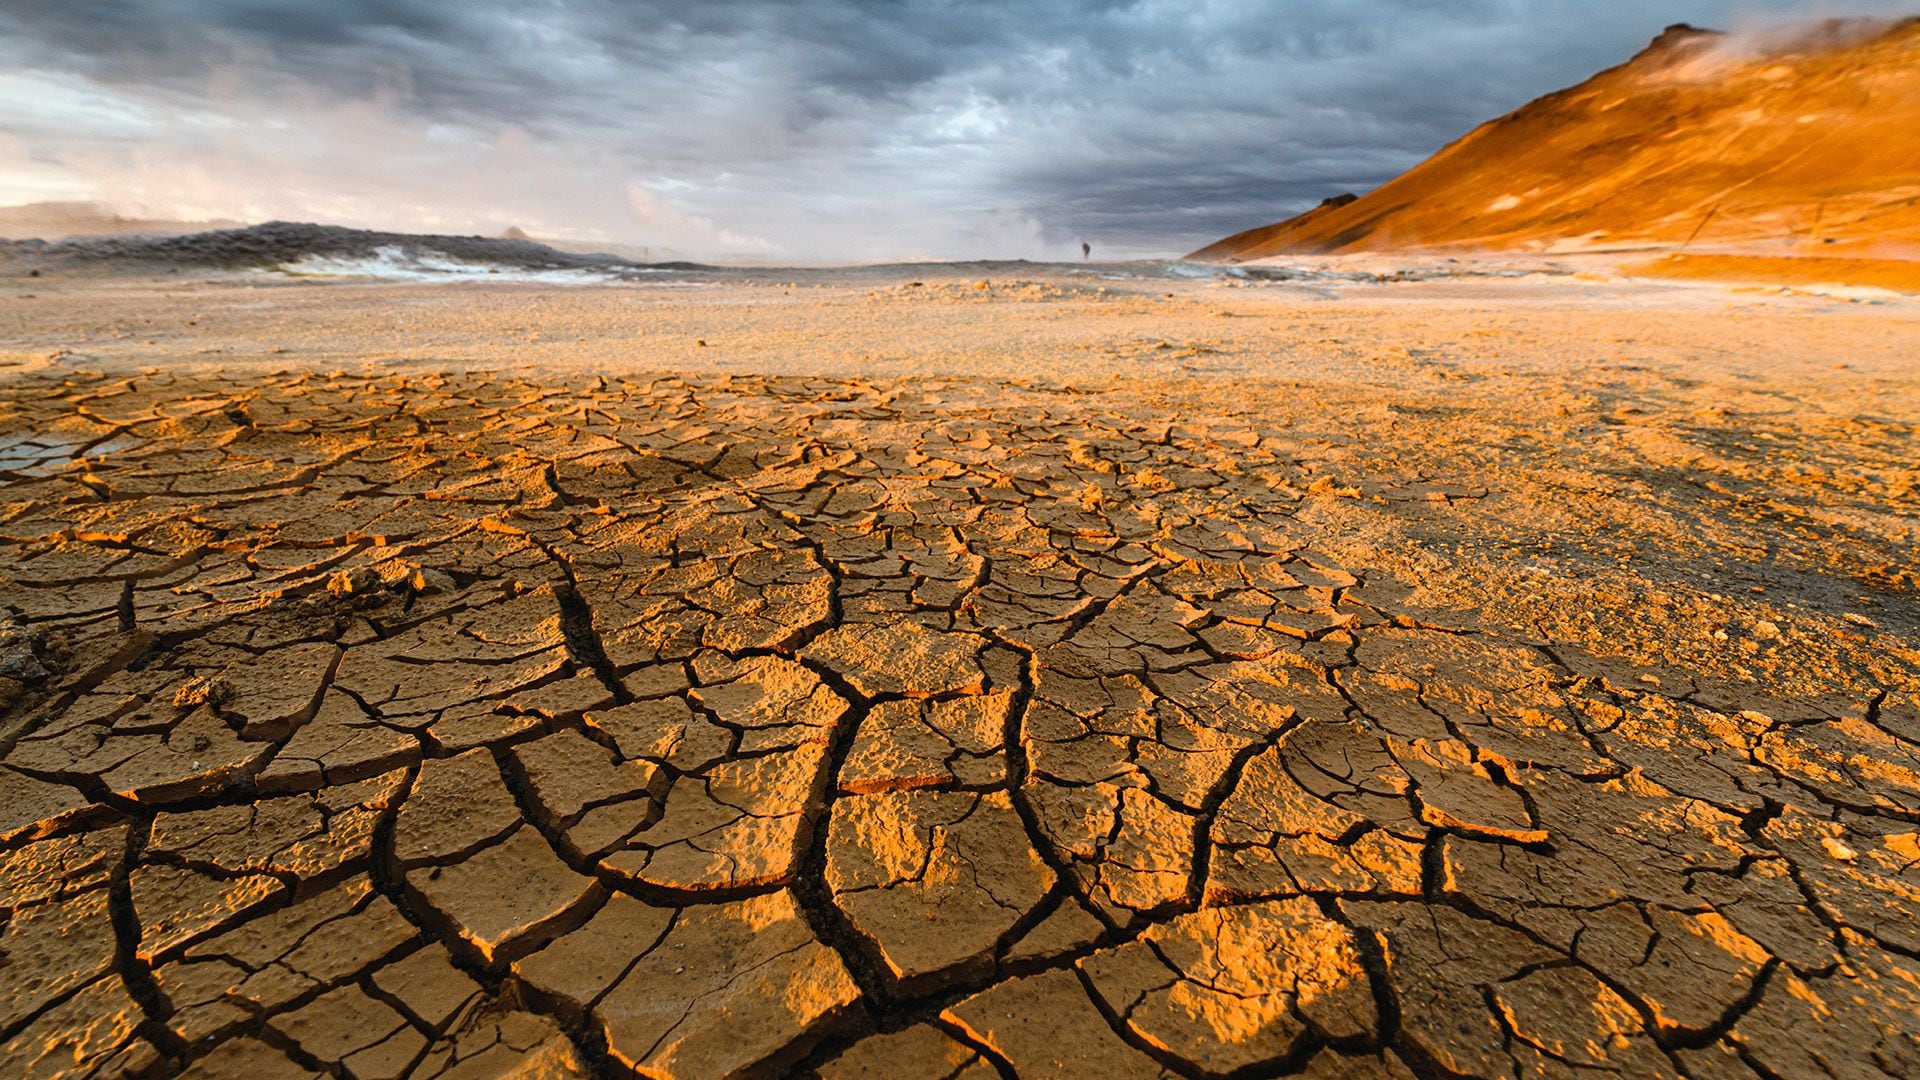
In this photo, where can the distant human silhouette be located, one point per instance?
(1086, 251)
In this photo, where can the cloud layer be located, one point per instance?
(834, 129)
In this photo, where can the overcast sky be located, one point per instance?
(824, 129)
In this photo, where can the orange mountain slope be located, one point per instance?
(1777, 144)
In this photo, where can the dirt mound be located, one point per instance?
(1786, 141)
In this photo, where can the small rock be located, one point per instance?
(20, 652)
(354, 582)
(1839, 851)
(209, 690)
(1326, 485)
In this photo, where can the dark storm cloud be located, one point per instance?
(837, 128)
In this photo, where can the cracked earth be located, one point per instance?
(419, 722)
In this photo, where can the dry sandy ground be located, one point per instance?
(1063, 677)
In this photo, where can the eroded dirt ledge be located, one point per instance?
(428, 723)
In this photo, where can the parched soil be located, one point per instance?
(406, 720)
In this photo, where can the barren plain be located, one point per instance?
(1055, 675)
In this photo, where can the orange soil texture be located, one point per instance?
(419, 722)
(1802, 143)
(1895, 275)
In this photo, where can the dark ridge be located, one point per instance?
(278, 242)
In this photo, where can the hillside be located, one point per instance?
(325, 250)
(1782, 143)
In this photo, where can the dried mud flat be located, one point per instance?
(1474, 709)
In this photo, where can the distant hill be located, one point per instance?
(92, 231)
(59, 220)
(280, 243)
(1802, 141)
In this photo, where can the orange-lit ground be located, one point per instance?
(1896, 275)
(865, 678)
